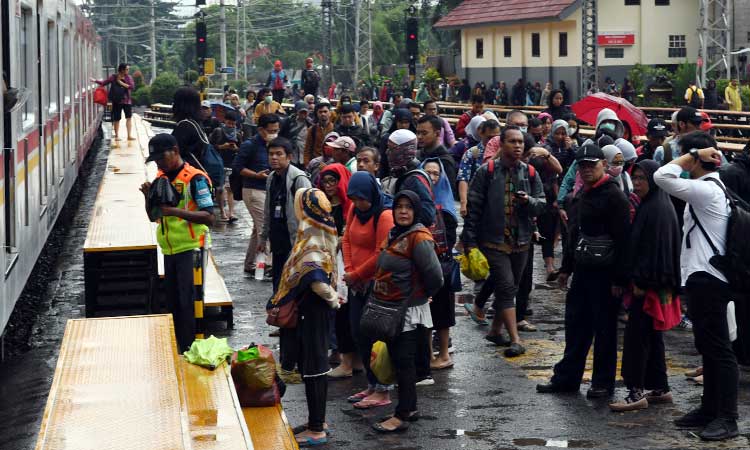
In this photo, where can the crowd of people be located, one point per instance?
(356, 213)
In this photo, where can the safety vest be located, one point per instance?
(177, 235)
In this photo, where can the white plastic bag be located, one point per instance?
(341, 287)
(731, 322)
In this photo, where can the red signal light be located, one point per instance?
(201, 39)
(412, 36)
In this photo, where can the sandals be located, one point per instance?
(442, 365)
(526, 327)
(300, 428)
(469, 307)
(369, 404)
(232, 219)
(552, 276)
(312, 442)
(359, 396)
(380, 429)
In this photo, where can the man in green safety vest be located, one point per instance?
(182, 233)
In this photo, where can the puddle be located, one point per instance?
(553, 443)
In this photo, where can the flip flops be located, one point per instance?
(369, 404)
(380, 429)
(300, 428)
(359, 396)
(312, 442)
(469, 307)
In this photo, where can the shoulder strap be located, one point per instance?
(201, 134)
(491, 167)
(294, 182)
(532, 170)
(703, 230)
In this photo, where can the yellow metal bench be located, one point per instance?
(269, 428)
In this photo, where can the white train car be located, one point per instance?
(49, 50)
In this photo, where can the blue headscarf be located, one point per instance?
(442, 189)
(363, 185)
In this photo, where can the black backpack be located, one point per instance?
(735, 262)
(695, 99)
(116, 92)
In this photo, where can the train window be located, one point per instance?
(66, 66)
(26, 78)
(52, 69)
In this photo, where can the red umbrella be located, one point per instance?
(587, 109)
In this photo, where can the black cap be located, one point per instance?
(688, 114)
(589, 152)
(159, 144)
(657, 128)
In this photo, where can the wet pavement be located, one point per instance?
(486, 401)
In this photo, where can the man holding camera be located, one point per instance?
(503, 200)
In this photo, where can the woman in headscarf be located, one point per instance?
(309, 278)
(408, 270)
(556, 105)
(277, 80)
(443, 305)
(367, 226)
(422, 94)
(403, 119)
(561, 145)
(654, 267)
(472, 138)
(615, 169)
(334, 179)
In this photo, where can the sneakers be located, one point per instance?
(694, 419)
(720, 430)
(634, 401)
(498, 339)
(685, 323)
(599, 392)
(555, 388)
(427, 381)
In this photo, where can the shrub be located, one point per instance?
(142, 96)
(191, 76)
(164, 87)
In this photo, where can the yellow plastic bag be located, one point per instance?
(474, 266)
(380, 363)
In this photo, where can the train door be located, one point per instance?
(4, 130)
(43, 98)
(53, 81)
(67, 96)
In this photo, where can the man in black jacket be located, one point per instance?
(736, 176)
(428, 136)
(591, 306)
(504, 197)
(347, 127)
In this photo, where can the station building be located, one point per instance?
(540, 40)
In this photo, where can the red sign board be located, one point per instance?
(615, 39)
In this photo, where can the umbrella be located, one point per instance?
(587, 108)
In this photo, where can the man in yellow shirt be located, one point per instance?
(732, 96)
(267, 105)
(694, 96)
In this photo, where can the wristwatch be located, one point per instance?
(694, 154)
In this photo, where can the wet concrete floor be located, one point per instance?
(485, 402)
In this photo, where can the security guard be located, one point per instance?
(182, 233)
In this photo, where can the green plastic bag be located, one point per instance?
(380, 363)
(209, 353)
(474, 266)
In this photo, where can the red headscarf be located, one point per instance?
(277, 65)
(309, 63)
(343, 175)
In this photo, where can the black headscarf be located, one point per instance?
(654, 255)
(363, 185)
(397, 229)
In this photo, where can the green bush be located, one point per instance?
(191, 76)
(164, 87)
(681, 79)
(142, 96)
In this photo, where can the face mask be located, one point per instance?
(346, 103)
(572, 131)
(608, 126)
(614, 171)
(271, 137)
(268, 99)
(523, 129)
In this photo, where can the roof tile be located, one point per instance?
(479, 12)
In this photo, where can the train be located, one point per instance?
(49, 53)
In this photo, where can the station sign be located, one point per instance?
(229, 70)
(606, 39)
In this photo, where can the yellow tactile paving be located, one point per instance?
(115, 387)
(269, 428)
(214, 413)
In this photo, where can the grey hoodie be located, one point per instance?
(607, 114)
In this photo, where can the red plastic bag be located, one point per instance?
(254, 375)
(100, 95)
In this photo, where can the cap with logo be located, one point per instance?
(589, 152)
(344, 142)
(657, 128)
(205, 104)
(706, 123)
(160, 144)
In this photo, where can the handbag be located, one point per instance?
(383, 320)
(283, 316)
(451, 274)
(595, 251)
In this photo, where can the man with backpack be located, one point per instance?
(310, 79)
(694, 96)
(277, 82)
(505, 196)
(705, 232)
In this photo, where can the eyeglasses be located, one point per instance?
(328, 181)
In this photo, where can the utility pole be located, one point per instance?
(153, 42)
(355, 75)
(244, 38)
(326, 7)
(714, 38)
(589, 47)
(237, 43)
(223, 38)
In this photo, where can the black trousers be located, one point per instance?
(278, 258)
(524, 286)
(278, 95)
(590, 315)
(363, 344)
(643, 364)
(180, 295)
(287, 347)
(402, 351)
(422, 357)
(311, 339)
(708, 298)
(343, 329)
(547, 224)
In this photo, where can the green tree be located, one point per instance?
(164, 87)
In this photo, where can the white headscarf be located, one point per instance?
(472, 129)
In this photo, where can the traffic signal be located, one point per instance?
(200, 40)
(412, 42)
